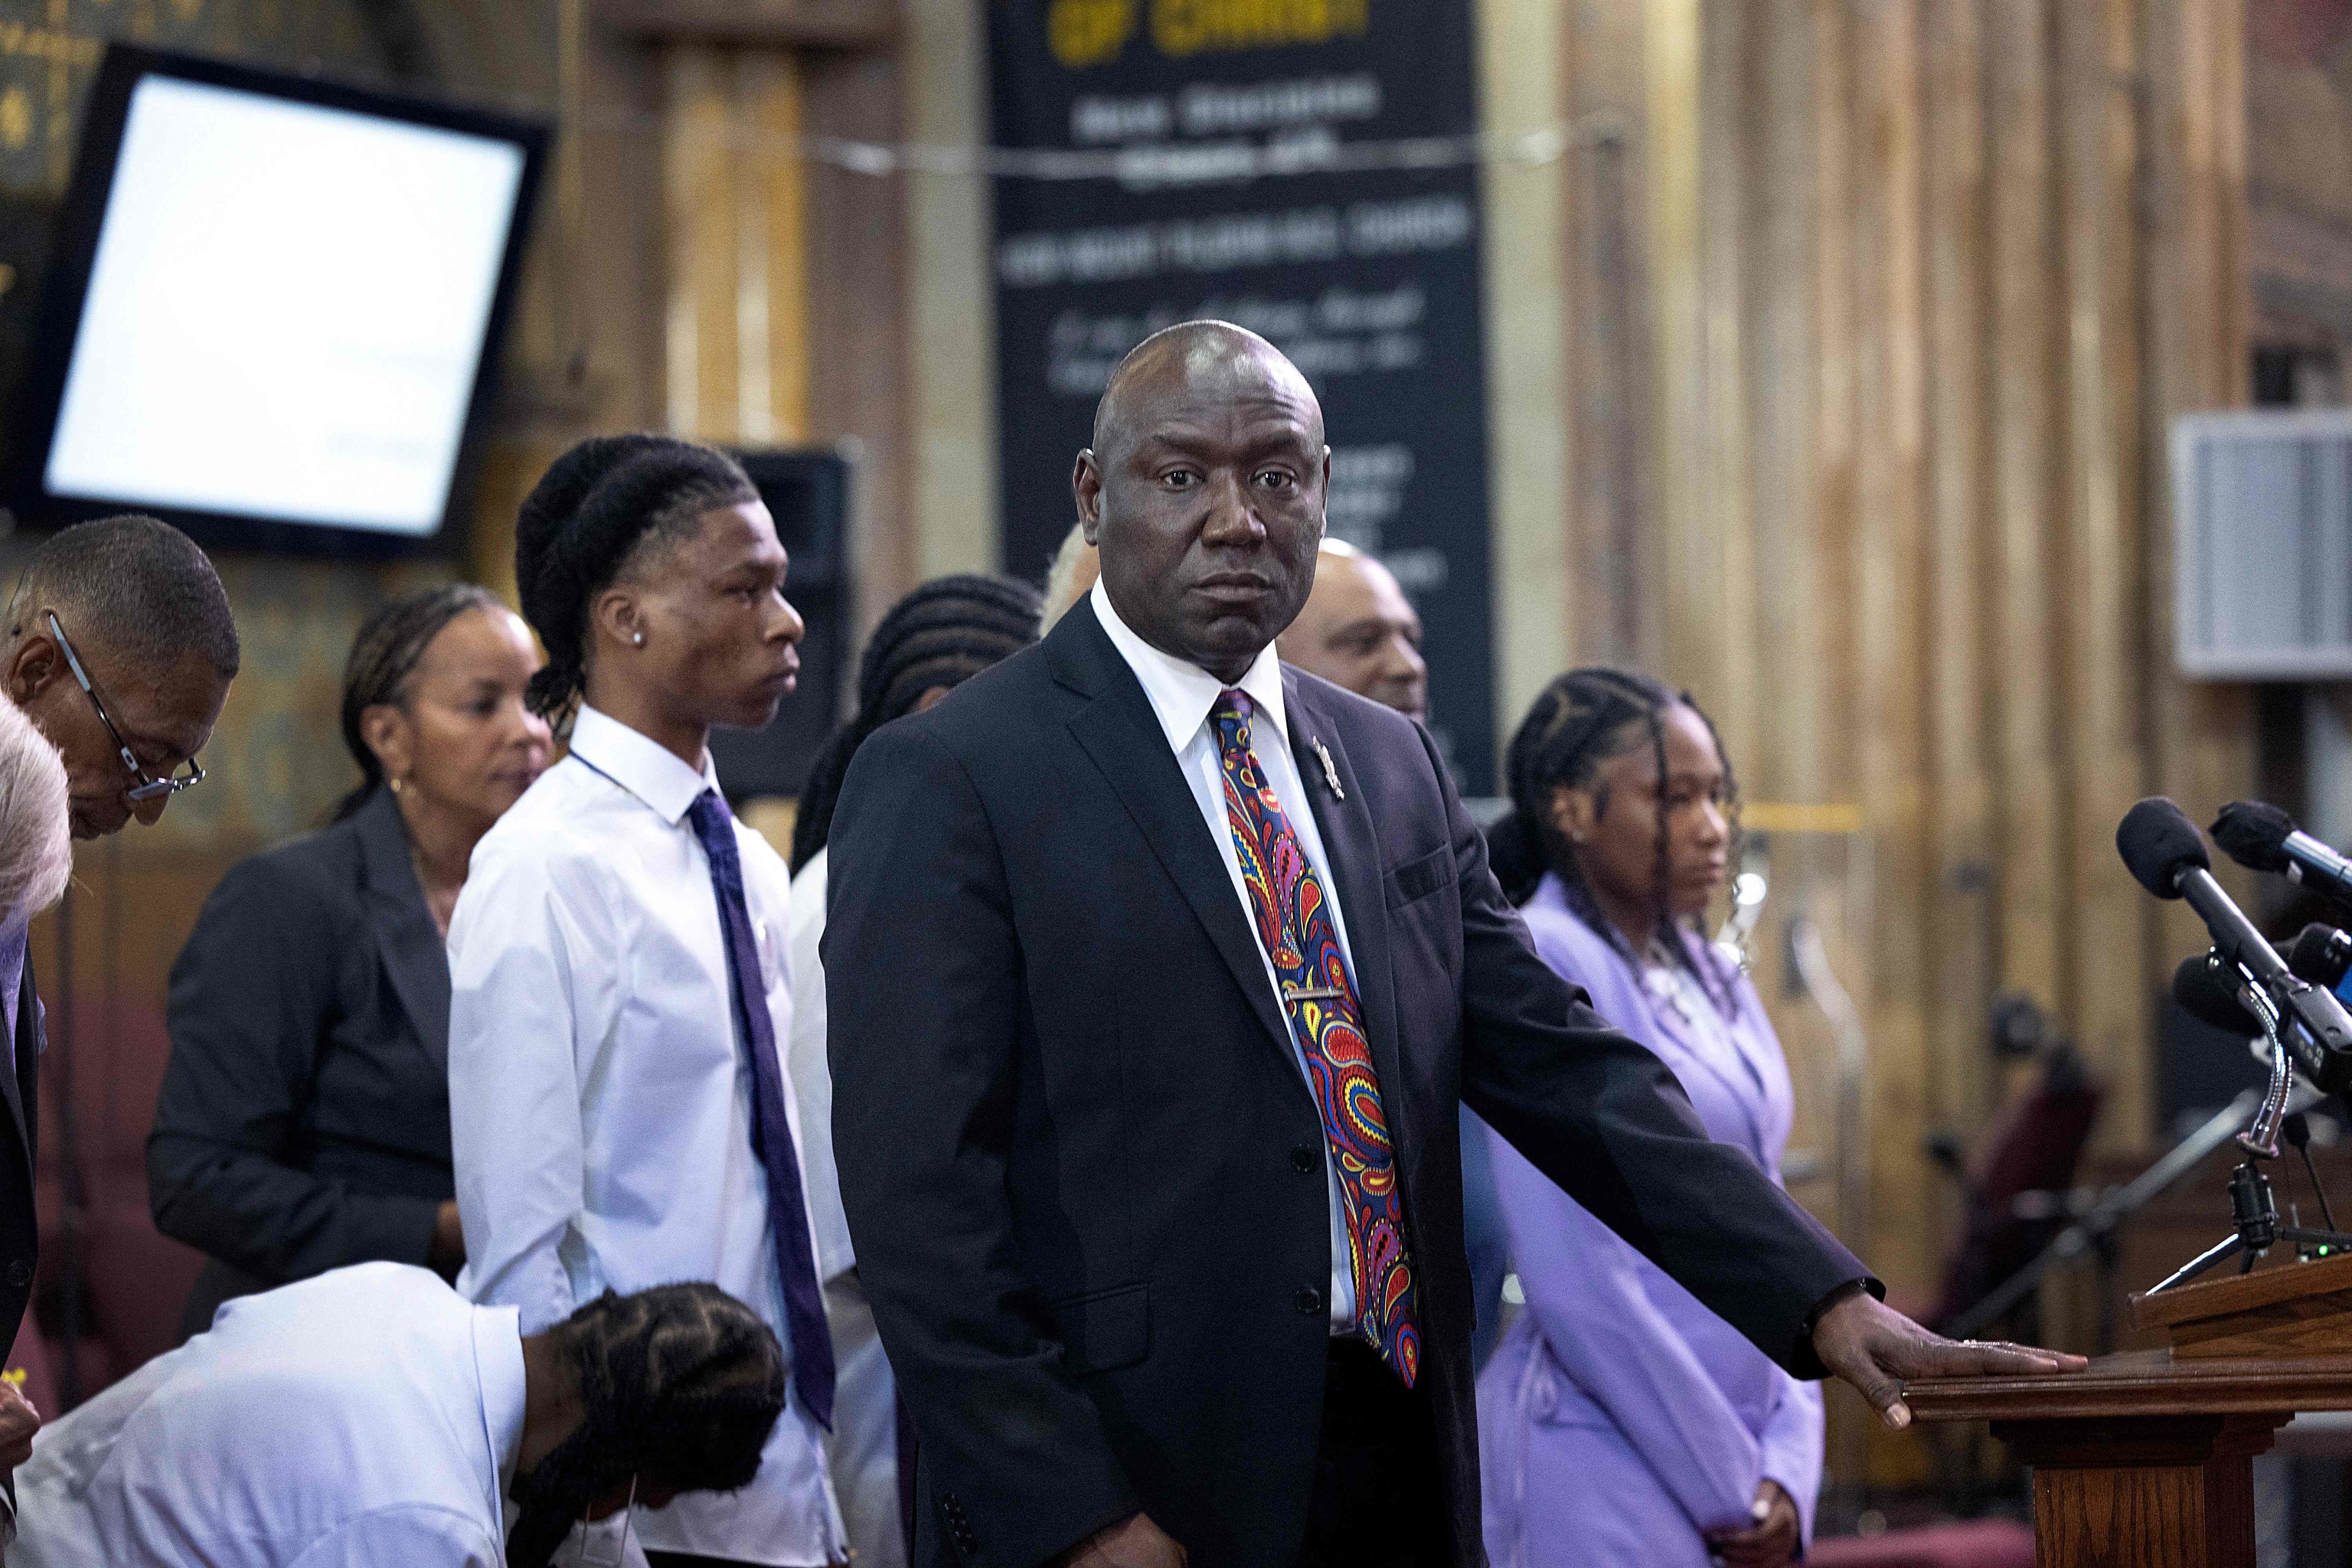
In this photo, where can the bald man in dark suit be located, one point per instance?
(1172, 968)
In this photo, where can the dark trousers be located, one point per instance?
(1378, 1500)
(687, 1560)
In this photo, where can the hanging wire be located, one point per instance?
(1159, 164)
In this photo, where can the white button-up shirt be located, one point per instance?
(600, 1106)
(366, 1418)
(1182, 695)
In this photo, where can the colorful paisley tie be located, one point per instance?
(1295, 928)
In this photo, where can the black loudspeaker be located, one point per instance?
(808, 493)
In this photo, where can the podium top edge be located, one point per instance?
(2142, 1383)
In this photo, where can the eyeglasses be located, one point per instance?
(144, 785)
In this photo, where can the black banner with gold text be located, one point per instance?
(1252, 161)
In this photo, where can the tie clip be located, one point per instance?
(1313, 994)
(1331, 771)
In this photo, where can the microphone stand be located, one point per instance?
(2094, 1231)
(2254, 1212)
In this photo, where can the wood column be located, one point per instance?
(2179, 1490)
(786, 317)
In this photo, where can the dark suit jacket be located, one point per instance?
(1082, 1170)
(19, 1241)
(304, 1118)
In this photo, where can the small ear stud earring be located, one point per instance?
(639, 639)
(1577, 837)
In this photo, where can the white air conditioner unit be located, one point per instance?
(2262, 507)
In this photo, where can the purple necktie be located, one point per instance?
(771, 1134)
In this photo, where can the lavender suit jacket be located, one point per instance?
(1615, 1373)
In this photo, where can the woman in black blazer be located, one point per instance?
(304, 1119)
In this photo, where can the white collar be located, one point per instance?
(640, 764)
(1182, 693)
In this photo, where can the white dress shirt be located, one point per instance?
(369, 1417)
(1182, 695)
(600, 1106)
(864, 1449)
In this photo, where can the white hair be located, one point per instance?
(36, 839)
(1071, 577)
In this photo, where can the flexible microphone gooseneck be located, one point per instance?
(2260, 837)
(2166, 856)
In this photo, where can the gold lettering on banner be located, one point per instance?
(1088, 32)
(1182, 28)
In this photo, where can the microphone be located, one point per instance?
(2205, 996)
(2165, 853)
(2261, 837)
(2323, 956)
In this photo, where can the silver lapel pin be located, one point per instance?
(1330, 769)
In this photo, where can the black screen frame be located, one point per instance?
(66, 291)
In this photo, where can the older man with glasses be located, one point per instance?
(119, 646)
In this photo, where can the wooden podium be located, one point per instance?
(2146, 1460)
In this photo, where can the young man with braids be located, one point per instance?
(372, 1417)
(1172, 969)
(1689, 1443)
(620, 1112)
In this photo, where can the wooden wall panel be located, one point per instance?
(1776, 153)
(859, 380)
(2107, 968)
(2026, 334)
(1960, 927)
(1724, 668)
(2197, 229)
(1891, 619)
(1915, 287)
(1618, 612)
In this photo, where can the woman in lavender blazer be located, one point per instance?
(1621, 1422)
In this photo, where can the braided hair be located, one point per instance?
(383, 656)
(942, 634)
(681, 1383)
(596, 512)
(1578, 722)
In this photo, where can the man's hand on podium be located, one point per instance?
(1877, 1349)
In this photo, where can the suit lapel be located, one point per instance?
(414, 955)
(1354, 851)
(30, 1037)
(1119, 730)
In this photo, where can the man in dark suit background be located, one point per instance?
(120, 647)
(1171, 968)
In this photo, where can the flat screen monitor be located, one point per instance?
(274, 308)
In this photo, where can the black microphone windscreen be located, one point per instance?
(2157, 839)
(2205, 996)
(2321, 953)
(2253, 834)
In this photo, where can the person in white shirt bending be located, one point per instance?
(619, 1114)
(372, 1417)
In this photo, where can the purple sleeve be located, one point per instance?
(1584, 1288)
(1792, 1448)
